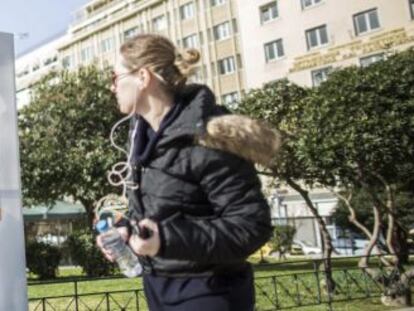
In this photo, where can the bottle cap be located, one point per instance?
(102, 226)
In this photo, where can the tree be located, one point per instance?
(281, 104)
(358, 134)
(64, 135)
(353, 132)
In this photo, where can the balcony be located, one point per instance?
(94, 8)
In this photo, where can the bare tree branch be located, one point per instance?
(372, 237)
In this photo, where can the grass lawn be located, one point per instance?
(294, 281)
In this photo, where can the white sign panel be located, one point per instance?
(13, 288)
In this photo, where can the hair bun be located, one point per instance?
(185, 60)
(191, 56)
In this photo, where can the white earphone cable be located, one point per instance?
(120, 174)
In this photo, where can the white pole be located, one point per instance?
(13, 285)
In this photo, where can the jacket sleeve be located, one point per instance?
(241, 223)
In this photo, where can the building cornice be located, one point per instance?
(137, 6)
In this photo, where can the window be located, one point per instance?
(86, 54)
(366, 21)
(159, 23)
(369, 60)
(213, 69)
(106, 45)
(411, 3)
(201, 38)
(187, 11)
(128, 34)
(191, 41)
(239, 61)
(309, 3)
(217, 2)
(320, 75)
(316, 37)
(222, 31)
(67, 62)
(274, 50)
(35, 67)
(269, 12)
(227, 65)
(23, 73)
(50, 60)
(230, 99)
(234, 24)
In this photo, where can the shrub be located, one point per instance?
(42, 259)
(282, 239)
(86, 254)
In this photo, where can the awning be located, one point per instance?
(58, 210)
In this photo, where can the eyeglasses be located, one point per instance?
(115, 77)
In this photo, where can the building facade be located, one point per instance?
(289, 208)
(34, 64)
(101, 26)
(244, 44)
(304, 40)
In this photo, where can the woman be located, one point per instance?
(202, 206)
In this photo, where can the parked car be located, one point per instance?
(304, 248)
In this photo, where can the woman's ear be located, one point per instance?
(144, 78)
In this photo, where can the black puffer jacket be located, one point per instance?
(208, 203)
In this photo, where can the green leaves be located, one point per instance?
(42, 259)
(82, 247)
(64, 135)
(357, 124)
(282, 238)
(365, 117)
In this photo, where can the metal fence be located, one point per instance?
(276, 291)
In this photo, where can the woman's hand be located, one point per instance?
(146, 247)
(123, 231)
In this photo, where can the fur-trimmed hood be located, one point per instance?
(244, 136)
(213, 126)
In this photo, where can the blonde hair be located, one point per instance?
(159, 55)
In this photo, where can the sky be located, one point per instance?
(40, 19)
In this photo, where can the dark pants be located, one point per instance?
(211, 293)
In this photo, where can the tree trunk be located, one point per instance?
(398, 290)
(364, 262)
(402, 237)
(89, 207)
(325, 236)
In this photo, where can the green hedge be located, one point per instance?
(42, 259)
(85, 253)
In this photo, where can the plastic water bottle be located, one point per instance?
(111, 239)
